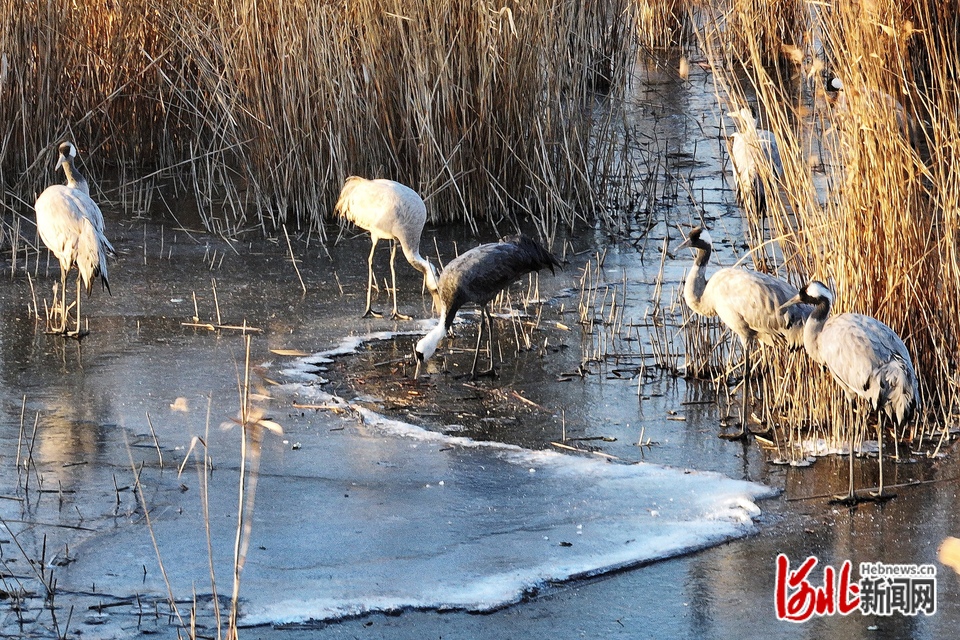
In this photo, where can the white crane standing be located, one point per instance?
(756, 160)
(389, 211)
(71, 226)
(867, 359)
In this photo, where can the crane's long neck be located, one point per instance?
(422, 265)
(813, 327)
(427, 345)
(75, 179)
(696, 282)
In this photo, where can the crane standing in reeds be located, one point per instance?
(477, 276)
(867, 359)
(71, 226)
(748, 302)
(389, 211)
(871, 99)
(756, 160)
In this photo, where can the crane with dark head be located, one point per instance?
(866, 358)
(389, 211)
(71, 226)
(477, 276)
(748, 302)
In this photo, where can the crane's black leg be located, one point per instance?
(370, 312)
(880, 495)
(742, 434)
(851, 497)
(492, 370)
(476, 351)
(63, 302)
(61, 327)
(851, 491)
(396, 315)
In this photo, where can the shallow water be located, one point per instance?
(78, 418)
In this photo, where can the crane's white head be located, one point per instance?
(835, 84)
(427, 345)
(67, 153)
(815, 293)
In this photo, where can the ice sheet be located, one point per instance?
(382, 515)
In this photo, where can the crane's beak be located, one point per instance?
(682, 245)
(60, 162)
(797, 299)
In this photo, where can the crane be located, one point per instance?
(866, 358)
(756, 159)
(71, 226)
(748, 302)
(873, 99)
(477, 276)
(389, 211)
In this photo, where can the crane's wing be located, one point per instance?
(481, 273)
(869, 359)
(749, 303)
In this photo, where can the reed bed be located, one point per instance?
(259, 110)
(868, 202)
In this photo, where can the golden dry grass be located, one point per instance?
(869, 201)
(260, 109)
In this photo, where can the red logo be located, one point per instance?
(797, 600)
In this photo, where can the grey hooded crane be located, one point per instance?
(71, 226)
(477, 276)
(748, 302)
(867, 359)
(389, 211)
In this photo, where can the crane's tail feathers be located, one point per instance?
(535, 253)
(900, 382)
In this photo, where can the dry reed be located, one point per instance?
(868, 202)
(258, 110)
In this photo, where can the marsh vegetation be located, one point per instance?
(533, 115)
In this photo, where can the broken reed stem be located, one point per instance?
(244, 519)
(216, 300)
(204, 472)
(171, 600)
(293, 259)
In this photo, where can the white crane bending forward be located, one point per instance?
(477, 276)
(756, 161)
(867, 359)
(71, 226)
(748, 302)
(389, 211)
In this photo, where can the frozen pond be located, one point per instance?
(360, 512)
(402, 495)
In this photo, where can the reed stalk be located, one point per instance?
(869, 200)
(258, 110)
